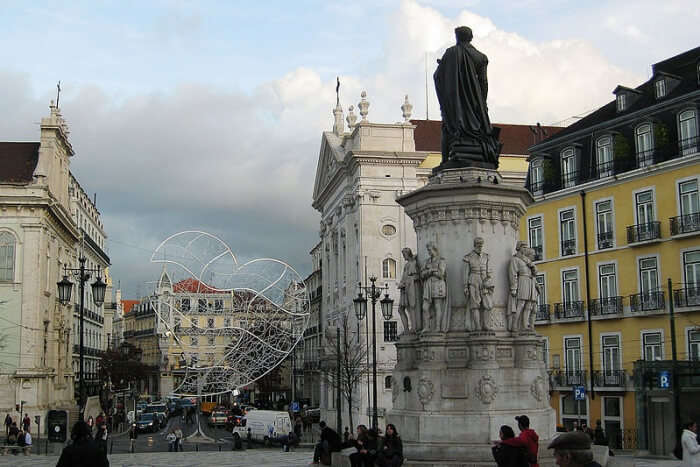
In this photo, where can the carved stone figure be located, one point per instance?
(478, 286)
(530, 310)
(519, 278)
(409, 290)
(468, 139)
(434, 276)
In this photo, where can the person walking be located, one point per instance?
(689, 442)
(132, 436)
(12, 435)
(82, 452)
(391, 452)
(178, 439)
(529, 438)
(27, 443)
(172, 440)
(509, 451)
(101, 437)
(26, 422)
(8, 424)
(573, 449)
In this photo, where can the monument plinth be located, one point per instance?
(470, 361)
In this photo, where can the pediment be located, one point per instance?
(330, 161)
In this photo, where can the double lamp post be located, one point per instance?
(65, 287)
(373, 293)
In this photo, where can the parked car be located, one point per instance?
(264, 425)
(218, 418)
(148, 422)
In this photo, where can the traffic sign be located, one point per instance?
(580, 393)
(295, 407)
(664, 379)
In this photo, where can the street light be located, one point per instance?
(65, 287)
(360, 303)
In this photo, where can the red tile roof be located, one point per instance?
(516, 139)
(17, 162)
(192, 285)
(127, 305)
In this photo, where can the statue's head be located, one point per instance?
(407, 253)
(464, 34)
(519, 246)
(432, 249)
(478, 244)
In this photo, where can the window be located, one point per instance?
(608, 282)
(542, 297)
(645, 229)
(194, 341)
(570, 286)
(211, 341)
(387, 382)
(688, 192)
(568, 167)
(388, 230)
(7, 256)
(218, 304)
(202, 305)
(568, 232)
(604, 223)
(210, 323)
(227, 322)
(652, 346)
(390, 331)
(660, 86)
(694, 344)
(535, 235)
(536, 176)
(195, 322)
(688, 128)
(573, 354)
(611, 358)
(176, 323)
(389, 269)
(645, 148)
(605, 156)
(648, 277)
(621, 102)
(185, 304)
(691, 270)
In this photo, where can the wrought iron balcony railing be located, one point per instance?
(688, 296)
(607, 306)
(609, 378)
(568, 310)
(602, 170)
(536, 187)
(644, 232)
(542, 312)
(568, 378)
(569, 179)
(687, 223)
(647, 301)
(605, 240)
(568, 247)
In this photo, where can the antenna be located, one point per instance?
(427, 117)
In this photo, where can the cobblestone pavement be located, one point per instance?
(252, 458)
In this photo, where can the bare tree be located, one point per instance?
(353, 361)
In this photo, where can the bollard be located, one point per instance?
(196, 447)
(219, 448)
(111, 446)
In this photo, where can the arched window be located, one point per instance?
(688, 129)
(387, 382)
(7, 256)
(568, 167)
(645, 147)
(604, 156)
(389, 269)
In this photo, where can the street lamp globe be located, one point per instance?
(387, 306)
(98, 291)
(65, 287)
(360, 306)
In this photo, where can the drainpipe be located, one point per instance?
(591, 389)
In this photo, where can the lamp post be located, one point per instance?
(65, 287)
(373, 293)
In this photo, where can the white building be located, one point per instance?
(360, 174)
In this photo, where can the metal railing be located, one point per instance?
(568, 247)
(605, 240)
(647, 301)
(568, 378)
(607, 306)
(542, 312)
(644, 232)
(687, 296)
(686, 223)
(606, 169)
(568, 310)
(569, 179)
(609, 378)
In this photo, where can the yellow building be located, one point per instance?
(616, 217)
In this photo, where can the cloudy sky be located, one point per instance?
(208, 115)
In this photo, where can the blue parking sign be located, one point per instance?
(664, 379)
(579, 393)
(295, 407)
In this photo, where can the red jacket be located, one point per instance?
(530, 438)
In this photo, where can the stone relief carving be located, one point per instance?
(426, 389)
(478, 287)
(538, 388)
(410, 310)
(395, 389)
(436, 311)
(484, 353)
(523, 289)
(486, 389)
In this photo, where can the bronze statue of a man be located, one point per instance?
(468, 139)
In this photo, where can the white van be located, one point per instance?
(264, 425)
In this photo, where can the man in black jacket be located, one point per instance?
(329, 442)
(83, 451)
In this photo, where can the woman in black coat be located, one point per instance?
(510, 451)
(391, 453)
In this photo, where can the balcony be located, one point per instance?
(689, 145)
(569, 179)
(688, 223)
(568, 310)
(606, 169)
(568, 378)
(538, 252)
(644, 232)
(609, 378)
(688, 296)
(608, 306)
(647, 301)
(542, 312)
(568, 247)
(605, 240)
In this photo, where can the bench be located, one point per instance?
(6, 448)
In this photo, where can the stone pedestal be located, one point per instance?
(453, 390)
